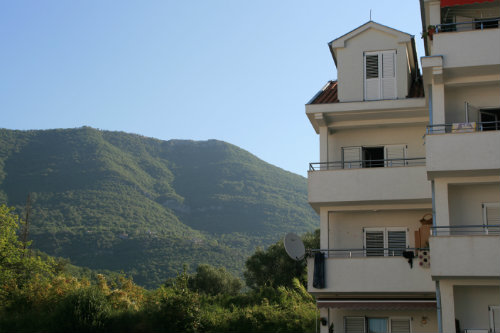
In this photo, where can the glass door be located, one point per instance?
(377, 325)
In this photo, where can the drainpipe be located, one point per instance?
(466, 112)
(430, 106)
(438, 289)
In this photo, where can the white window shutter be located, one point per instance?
(354, 325)
(491, 213)
(494, 312)
(400, 325)
(372, 76)
(396, 153)
(352, 157)
(374, 242)
(396, 242)
(388, 75)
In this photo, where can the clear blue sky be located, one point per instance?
(233, 70)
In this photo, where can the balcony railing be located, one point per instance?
(480, 24)
(366, 252)
(463, 127)
(391, 162)
(466, 230)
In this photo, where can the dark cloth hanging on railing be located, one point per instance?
(319, 270)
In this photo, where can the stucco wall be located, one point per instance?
(417, 326)
(465, 202)
(350, 63)
(471, 305)
(409, 135)
(346, 228)
(483, 96)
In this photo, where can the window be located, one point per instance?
(376, 325)
(380, 75)
(491, 213)
(354, 324)
(385, 241)
(374, 156)
(494, 312)
(490, 119)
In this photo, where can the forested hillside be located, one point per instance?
(123, 202)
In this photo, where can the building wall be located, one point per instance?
(479, 96)
(409, 135)
(471, 305)
(418, 317)
(465, 202)
(346, 228)
(350, 65)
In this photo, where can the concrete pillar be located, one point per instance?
(441, 203)
(323, 313)
(323, 238)
(438, 105)
(447, 306)
(323, 145)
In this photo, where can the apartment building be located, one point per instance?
(408, 182)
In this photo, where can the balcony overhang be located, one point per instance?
(377, 304)
(368, 113)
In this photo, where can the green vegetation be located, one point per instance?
(125, 203)
(38, 294)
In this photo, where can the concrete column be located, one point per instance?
(323, 238)
(323, 313)
(447, 306)
(438, 109)
(434, 13)
(323, 144)
(441, 202)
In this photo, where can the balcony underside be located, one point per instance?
(388, 276)
(396, 185)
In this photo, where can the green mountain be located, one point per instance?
(124, 202)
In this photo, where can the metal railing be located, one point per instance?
(468, 26)
(366, 252)
(463, 127)
(466, 230)
(391, 162)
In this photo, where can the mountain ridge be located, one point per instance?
(120, 201)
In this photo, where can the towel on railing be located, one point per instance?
(319, 270)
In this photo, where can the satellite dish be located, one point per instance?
(294, 246)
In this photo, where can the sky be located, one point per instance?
(240, 71)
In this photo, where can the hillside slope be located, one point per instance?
(118, 201)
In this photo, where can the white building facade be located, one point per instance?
(408, 183)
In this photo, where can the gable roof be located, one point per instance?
(403, 37)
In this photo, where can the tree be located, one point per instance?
(16, 267)
(273, 267)
(213, 281)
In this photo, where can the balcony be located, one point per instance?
(368, 181)
(468, 147)
(465, 251)
(468, 44)
(352, 271)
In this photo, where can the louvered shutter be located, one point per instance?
(351, 157)
(372, 76)
(354, 324)
(374, 242)
(494, 312)
(388, 75)
(396, 242)
(400, 325)
(395, 154)
(492, 213)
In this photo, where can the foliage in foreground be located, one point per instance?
(37, 295)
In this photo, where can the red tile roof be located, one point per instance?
(326, 95)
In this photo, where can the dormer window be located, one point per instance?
(380, 75)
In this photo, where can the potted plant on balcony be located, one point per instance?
(431, 30)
